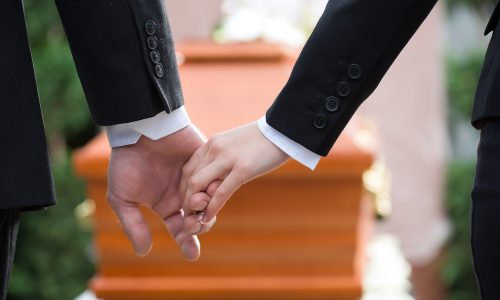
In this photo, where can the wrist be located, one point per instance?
(188, 137)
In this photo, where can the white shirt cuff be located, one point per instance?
(290, 147)
(155, 128)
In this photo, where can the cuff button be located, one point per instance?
(320, 121)
(354, 71)
(154, 56)
(332, 104)
(152, 42)
(159, 70)
(150, 27)
(343, 89)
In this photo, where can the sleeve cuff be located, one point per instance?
(290, 147)
(155, 128)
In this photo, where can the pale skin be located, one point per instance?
(160, 174)
(220, 167)
(148, 174)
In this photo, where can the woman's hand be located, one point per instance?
(220, 167)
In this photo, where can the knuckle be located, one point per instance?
(192, 182)
(223, 192)
(226, 164)
(216, 144)
(216, 148)
(243, 170)
(216, 137)
(186, 170)
(112, 198)
(195, 184)
(192, 203)
(211, 141)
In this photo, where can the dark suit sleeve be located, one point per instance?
(348, 53)
(125, 57)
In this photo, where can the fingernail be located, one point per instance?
(140, 254)
(205, 220)
(195, 229)
(191, 254)
(201, 206)
(144, 252)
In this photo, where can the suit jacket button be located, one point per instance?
(152, 42)
(343, 89)
(159, 70)
(320, 121)
(354, 71)
(154, 56)
(332, 104)
(150, 27)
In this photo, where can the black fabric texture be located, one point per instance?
(9, 225)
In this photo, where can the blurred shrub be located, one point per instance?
(483, 7)
(53, 257)
(53, 253)
(53, 261)
(63, 103)
(458, 271)
(462, 78)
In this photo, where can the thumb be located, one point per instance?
(135, 226)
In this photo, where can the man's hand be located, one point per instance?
(148, 173)
(220, 167)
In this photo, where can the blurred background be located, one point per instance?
(55, 256)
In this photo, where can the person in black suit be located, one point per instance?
(352, 47)
(125, 57)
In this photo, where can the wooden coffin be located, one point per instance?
(292, 234)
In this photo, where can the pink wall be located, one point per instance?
(193, 19)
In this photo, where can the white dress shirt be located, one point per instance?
(164, 124)
(155, 128)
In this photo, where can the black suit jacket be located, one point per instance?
(125, 58)
(350, 50)
(348, 53)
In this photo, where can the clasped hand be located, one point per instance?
(219, 168)
(185, 181)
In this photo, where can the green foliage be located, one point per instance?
(462, 77)
(481, 6)
(471, 3)
(458, 271)
(61, 95)
(53, 259)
